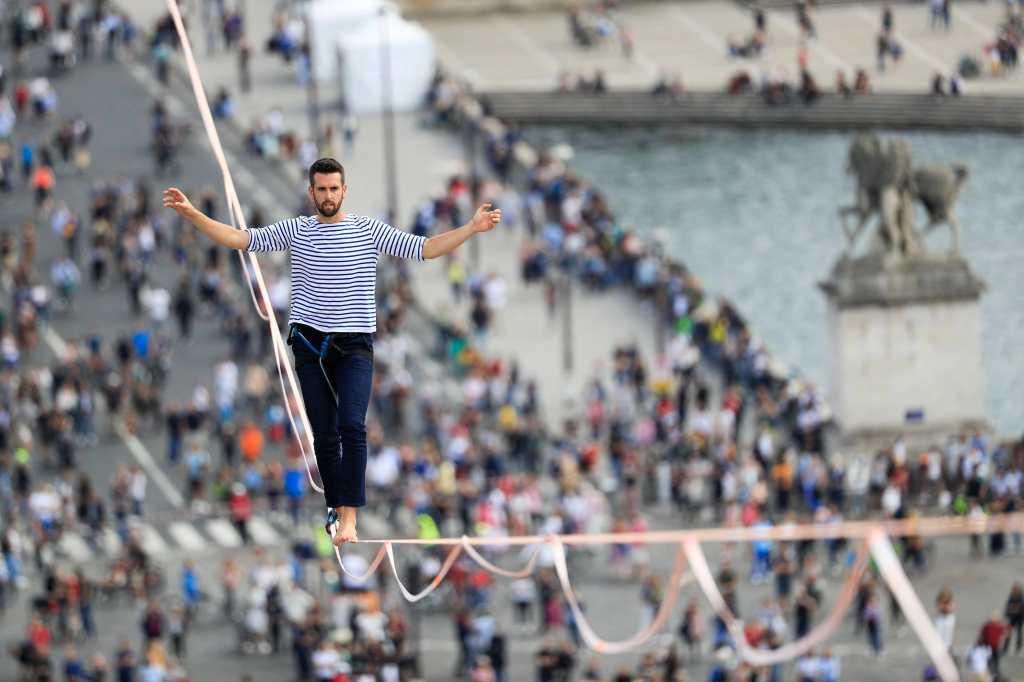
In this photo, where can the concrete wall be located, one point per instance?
(888, 360)
(413, 8)
(880, 110)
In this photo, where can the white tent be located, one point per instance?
(410, 49)
(345, 38)
(331, 22)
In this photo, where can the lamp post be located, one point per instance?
(388, 127)
(567, 355)
(659, 316)
(470, 138)
(660, 282)
(312, 94)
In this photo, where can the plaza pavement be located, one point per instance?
(527, 51)
(425, 159)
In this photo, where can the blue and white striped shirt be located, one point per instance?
(334, 267)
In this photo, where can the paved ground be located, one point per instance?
(612, 602)
(528, 51)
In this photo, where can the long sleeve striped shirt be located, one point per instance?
(334, 267)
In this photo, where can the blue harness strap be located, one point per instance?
(325, 346)
(321, 353)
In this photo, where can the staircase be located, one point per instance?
(888, 110)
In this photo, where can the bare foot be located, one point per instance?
(346, 529)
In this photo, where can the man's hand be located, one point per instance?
(484, 219)
(176, 199)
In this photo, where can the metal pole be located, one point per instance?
(390, 161)
(312, 95)
(471, 166)
(659, 317)
(567, 324)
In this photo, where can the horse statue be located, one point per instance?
(937, 187)
(884, 186)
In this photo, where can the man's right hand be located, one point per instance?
(174, 198)
(225, 235)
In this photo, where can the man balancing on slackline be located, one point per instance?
(333, 317)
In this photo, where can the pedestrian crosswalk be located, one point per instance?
(173, 539)
(263, 533)
(152, 542)
(224, 533)
(186, 535)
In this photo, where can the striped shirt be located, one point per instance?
(334, 267)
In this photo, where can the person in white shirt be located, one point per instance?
(158, 305)
(372, 624)
(945, 620)
(137, 490)
(807, 668)
(829, 667)
(977, 662)
(326, 661)
(524, 591)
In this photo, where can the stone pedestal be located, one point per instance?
(905, 346)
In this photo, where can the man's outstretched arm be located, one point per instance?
(442, 244)
(223, 234)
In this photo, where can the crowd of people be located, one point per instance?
(597, 23)
(999, 57)
(479, 461)
(996, 58)
(665, 437)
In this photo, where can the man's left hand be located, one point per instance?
(486, 218)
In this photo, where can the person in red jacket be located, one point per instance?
(241, 509)
(993, 632)
(39, 635)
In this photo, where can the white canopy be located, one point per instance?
(331, 22)
(350, 34)
(410, 49)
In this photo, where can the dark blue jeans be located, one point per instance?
(339, 430)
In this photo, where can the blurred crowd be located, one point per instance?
(458, 440)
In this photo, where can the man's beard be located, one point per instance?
(324, 213)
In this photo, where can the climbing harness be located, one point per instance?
(326, 346)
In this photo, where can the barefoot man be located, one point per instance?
(333, 317)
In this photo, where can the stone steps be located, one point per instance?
(894, 110)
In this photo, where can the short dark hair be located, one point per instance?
(326, 165)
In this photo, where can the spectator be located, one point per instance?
(241, 509)
(153, 624)
(250, 441)
(873, 622)
(842, 87)
(887, 21)
(978, 662)
(803, 20)
(223, 106)
(125, 661)
(326, 661)
(993, 633)
(1014, 614)
(945, 620)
